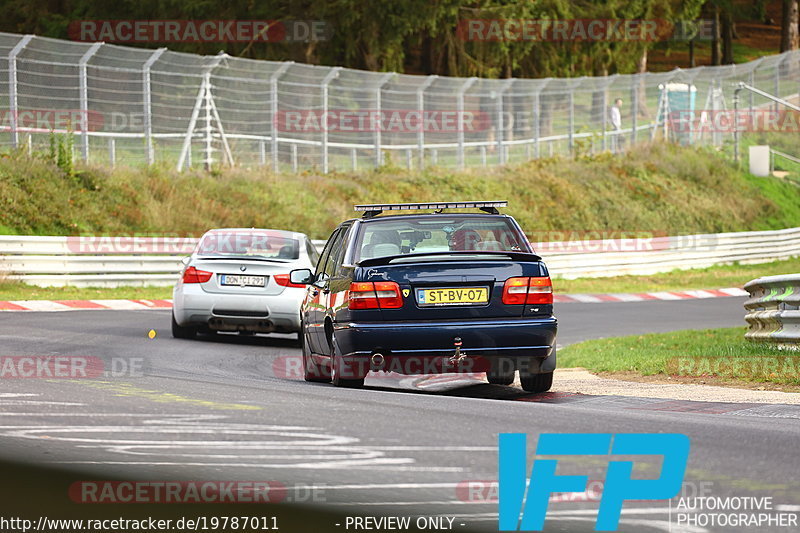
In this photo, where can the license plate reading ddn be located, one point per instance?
(455, 296)
(243, 281)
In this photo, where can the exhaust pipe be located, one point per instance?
(377, 360)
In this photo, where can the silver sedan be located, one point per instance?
(237, 280)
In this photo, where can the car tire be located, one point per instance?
(337, 362)
(311, 371)
(536, 382)
(182, 332)
(500, 379)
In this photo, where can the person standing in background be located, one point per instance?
(615, 116)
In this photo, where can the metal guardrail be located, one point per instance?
(773, 310)
(139, 261)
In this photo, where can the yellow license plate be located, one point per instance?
(453, 296)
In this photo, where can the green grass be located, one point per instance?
(713, 353)
(717, 277)
(647, 189)
(11, 290)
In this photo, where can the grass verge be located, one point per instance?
(713, 356)
(659, 187)
(717, 277)
(13, 290)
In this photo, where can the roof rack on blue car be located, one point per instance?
(371, 210)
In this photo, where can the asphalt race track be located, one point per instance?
(236, 408)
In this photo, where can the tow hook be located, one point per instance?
(457, 356)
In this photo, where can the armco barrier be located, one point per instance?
(139, 261)
(773, 310)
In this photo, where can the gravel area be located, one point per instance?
(584, 382)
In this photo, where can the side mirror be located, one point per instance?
(301, 276)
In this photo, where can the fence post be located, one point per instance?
(12, 86)
(537, 125)
(148, 104)
(571, 119)
(501, 124)
(324, 121)
(635, 107)
(460, 110)
(421, 108)
(378, 154)
(112, 153)
(273, 81)
(84, 98)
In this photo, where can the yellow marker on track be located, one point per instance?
(151, 334)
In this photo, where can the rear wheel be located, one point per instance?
(340, 374)
(182, 332)
(311, 371)
(536, 382)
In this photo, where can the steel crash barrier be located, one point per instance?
(773, 310)
(103, 261)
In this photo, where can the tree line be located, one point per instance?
(427, 36)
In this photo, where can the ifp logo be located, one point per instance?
(619, 485)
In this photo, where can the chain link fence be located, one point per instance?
(136, 106)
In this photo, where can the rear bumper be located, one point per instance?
(518, 342)
(234, 312)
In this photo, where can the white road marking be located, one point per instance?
(41, 305)
(665, 296)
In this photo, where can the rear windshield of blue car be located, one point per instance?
(434, 234)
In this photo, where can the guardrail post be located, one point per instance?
(334, 72)
(84, 98)
(460, 110)
(12, 87)
(421, 108)
(147, 91)
(112, 153)
(273, 82)
(537, 124)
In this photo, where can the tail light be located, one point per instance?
(284, 281)
(192, 275)
(537, 290)
(377, 295)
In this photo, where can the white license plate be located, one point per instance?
(242, 281)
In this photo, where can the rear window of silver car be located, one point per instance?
(257, 244)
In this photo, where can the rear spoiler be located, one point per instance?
(469, 255)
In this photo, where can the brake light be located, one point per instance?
(538, 290)
(377, 295)
(284, 281)
(192, 275)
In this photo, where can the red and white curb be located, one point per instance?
(138, 305)
(647, 296)
(84, 305)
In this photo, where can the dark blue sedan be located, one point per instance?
(425, 293)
